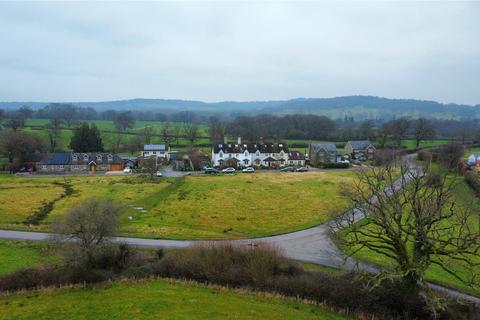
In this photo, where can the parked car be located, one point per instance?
(288, 169)
(127, 170)
(159, 174)
(229, 170)
(302, 169)
(248, 170)
(211, 171)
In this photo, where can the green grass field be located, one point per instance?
(464, 196)
(155, 299)
(194, 207)
(15, 255)
(107, 127)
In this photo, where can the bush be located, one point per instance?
(335, 165)
(261, 267)
(473, 180)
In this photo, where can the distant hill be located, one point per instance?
(359, 107)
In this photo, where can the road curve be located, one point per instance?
(310, 245)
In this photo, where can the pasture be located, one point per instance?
(160, 299)
(107, 129)
(24, 254)
(194, 207)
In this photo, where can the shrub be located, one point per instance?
(335, 165)
(473, 180)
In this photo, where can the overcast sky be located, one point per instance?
(239, 51)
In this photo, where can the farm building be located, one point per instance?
(60, 162)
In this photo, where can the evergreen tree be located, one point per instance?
(86, 139)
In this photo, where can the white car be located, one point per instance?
(248, 170)
(229, 170)
(159, 174)
(127, 170)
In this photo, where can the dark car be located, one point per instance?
(211, 171)
(302, 169)
(287, 169)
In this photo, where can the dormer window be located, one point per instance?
(258, 153)
(99, 157)
(110, 157)
(85, 157)
(75, 157)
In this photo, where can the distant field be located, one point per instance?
(424, 144)
(107, 128)
(15, 255)
(155, 299)
(195, 207)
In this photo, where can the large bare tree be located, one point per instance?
(88, 228)
(415, 226)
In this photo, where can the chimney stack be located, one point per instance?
(239, 140)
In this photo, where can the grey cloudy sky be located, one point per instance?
(239, 51)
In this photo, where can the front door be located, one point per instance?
(92, 168)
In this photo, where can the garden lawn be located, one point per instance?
(435, 274)
(15, 255)
(155, 299)
(194, 207)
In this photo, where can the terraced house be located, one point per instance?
(60, 162)
(238, 155)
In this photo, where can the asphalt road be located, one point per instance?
(310, 245)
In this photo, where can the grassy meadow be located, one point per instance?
(24, 254)
(194, 207)
(160, 299)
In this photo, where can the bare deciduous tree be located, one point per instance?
(88, 228)
(422, 130)
(151, 166)
(54, 131)
(191, 133)
(166, 135)
(147, 133)
(415, 226)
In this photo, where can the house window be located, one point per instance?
(110, 157)
(246, 154)
(60, 166)
(220, 155)
(75, 157)
(44, 167)
(154, 152)
(85, 157)
(258, 153)
(246, 161)
(99, 157)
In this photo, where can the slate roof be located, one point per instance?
(270, 159)
(295, 155)
(250, 147)
(330, 147)
(360, 144)
(58, 158)
(154, 147)
(64, 158)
